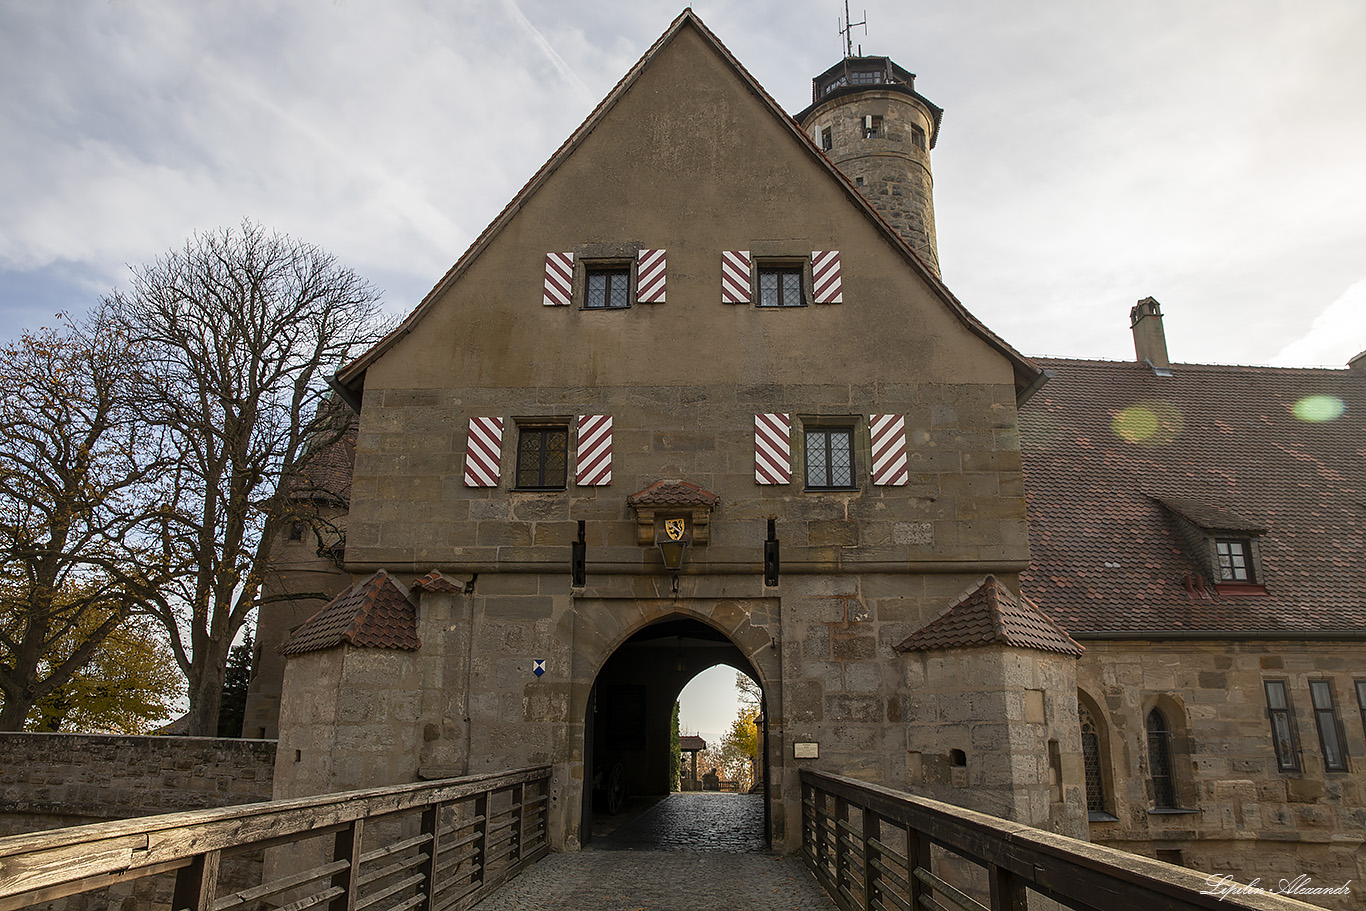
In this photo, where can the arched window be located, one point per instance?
(1090, 755)
(1160, 761)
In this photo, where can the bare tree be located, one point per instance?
(240, 329)
(76, 506)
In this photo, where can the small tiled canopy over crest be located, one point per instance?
(374, 613)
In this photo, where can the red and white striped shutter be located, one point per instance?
(889, 449)
(559, 279)
(593, 460)
(735, 277)
(772, 449)
(483, 452)
(825, 277)
(650, 277)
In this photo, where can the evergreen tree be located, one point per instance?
(676, 754)
(232, 709)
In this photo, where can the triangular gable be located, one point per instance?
(351, 378)
(990, 615)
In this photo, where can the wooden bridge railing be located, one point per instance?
(436, 846)
(875, 848)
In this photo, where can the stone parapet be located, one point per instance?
(52, 780)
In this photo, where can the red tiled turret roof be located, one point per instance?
(990, 615)
(374, 613)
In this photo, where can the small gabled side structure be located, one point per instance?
(994, 708)
(351, 669)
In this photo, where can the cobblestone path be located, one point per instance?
(697, 821)
(688, 852)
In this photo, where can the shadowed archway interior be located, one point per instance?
(628, 724)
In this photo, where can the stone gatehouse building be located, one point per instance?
(699, 396)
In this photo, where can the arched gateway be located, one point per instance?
(627, 725)
(691, 376)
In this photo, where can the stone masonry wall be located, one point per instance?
(890, 170)
(1238, 814)
(53, 780)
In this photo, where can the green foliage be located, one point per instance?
(129, 686)
(232, 709)
(739, 748)
(675, 751)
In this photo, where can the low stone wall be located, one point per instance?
(53, 780)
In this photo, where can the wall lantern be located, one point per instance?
(673, 515)
(673, 536)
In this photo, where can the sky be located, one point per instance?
(709, 703)
(1205, 152)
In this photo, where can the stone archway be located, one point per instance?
(627, 704)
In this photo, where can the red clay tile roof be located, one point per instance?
(691, 743)
(1210, 517)
(672, 493)
(435, 582)
(324, 474)
(374, 613)
(991, 615)
(1105, 444)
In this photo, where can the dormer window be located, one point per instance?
(1235, 559)
(1220, 545)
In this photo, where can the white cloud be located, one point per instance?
(1091, 154)
(1337, 334)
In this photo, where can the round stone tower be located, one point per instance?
(878, 130)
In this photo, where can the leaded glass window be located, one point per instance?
(607, 288)
(1282, 717)
(1160, 760)
(1361, 700)
(780, 287)
(830, 458)
(1090, 756)
(1326, 717)
(542, 457)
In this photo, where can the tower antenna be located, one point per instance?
(847, 27)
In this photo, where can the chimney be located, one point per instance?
(1150, 342)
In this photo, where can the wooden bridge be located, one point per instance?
(447, 845)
